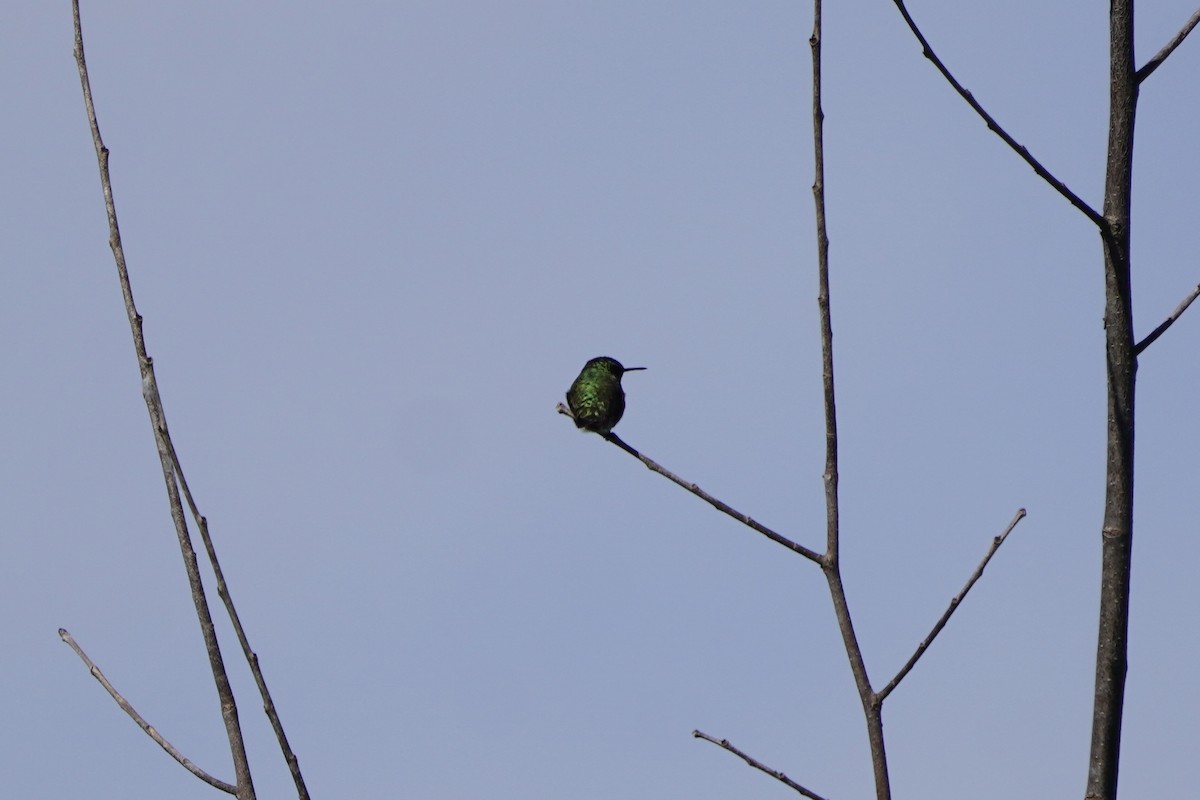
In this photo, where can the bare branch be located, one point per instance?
(823, 302)
(1161, 56)
(228, 704)
(1168, 322)
(995, 127)
(1116, 529)
(187, 764)
(954, 604)
(872, 710)
(758, 765)
(654, 466)
(251, 657)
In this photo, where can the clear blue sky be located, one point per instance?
(374, 242)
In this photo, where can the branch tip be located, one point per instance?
(1168, 322)
(149, 729)
(955, 602)
(758, 765)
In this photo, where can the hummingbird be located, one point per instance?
(596, 398)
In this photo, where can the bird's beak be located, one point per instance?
(633, 369)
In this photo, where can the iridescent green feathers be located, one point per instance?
(596, 398)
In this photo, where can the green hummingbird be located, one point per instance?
(596, 398)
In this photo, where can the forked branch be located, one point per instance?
(997, 129)
(244, 787)
(872, 710)
(251, 657)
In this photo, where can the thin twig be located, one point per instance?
(872, 711)
(954, 604)
(746, 520)
(245, 784)
(187, 764)
(251, 657)
(995, 127)
(758, 765)
(823, 301)
(1168, 322)
(1169, 48)
(654, 466)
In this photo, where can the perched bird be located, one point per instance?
(596, 398)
